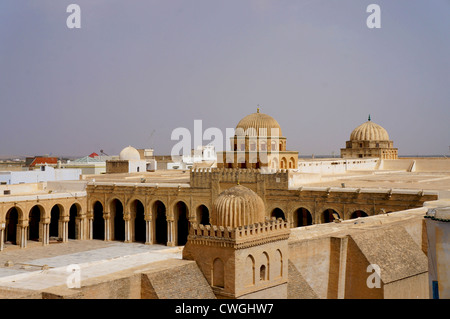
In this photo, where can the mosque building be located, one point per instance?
(369, 140)
(258, 143)
(249, 233)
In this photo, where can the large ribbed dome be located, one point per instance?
(369, 131)
(259, 120)
(129, 153)
(238, 206)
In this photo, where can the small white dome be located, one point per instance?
(129, 153)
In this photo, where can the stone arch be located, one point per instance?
(283, 163)
(250, 270)
(137, 219)
(292, 162)
(181, 215)
(36, 214)
(302, 217)
(11, 222)
(278, 264)
(274, 163)
(273, 146)
(159, 216)
(202, 215)
(56, 212)
(328, 215)
(358, 213)
(74, 212)
(278, 213)
(20, 211)
(263, 145)
(264, 267)
(218, 273)
(98, 222)
(117, 219)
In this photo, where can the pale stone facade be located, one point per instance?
(247, 232)
(258, 143)
(242, 253)
(369, 140)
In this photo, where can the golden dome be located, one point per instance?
(369, 131)
(256, 121)
(129, 153)
(238, 206)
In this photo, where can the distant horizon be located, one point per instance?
(316, 156)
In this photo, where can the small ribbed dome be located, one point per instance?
(369, 131)
(238, 206)
(129, 153)
(259, 120)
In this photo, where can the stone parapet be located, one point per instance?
(239, 237)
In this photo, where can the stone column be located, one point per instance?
(80, 223)
(45, 231)
(107, 219)
(127, 230)
(65, 229)
(22, 234)
(148, 232)
(2, 235)
(171, 240)
(90, 228)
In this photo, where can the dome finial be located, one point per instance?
(257, 109)
(369, 117)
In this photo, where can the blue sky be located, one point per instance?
(136, 70)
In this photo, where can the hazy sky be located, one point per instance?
(142, 66)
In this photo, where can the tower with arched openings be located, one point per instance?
(241, 253)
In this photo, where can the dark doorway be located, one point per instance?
(119, 223)
(54, 221)
(278, 213)
(33, 224)
(203, 215)
(72, 221)
(98, 231)
(358, 213)
(139, 222)
(12, 218)
(181, 211)
(160, 223)
(303, 217)
(328, 215)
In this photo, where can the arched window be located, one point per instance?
(329, 215)
(303, 217)
(203, 215)
(278, 213)
(250, 270)
(262, 273)
(358, 213)
(218, 273)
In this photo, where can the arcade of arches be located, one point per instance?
(163, 215)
